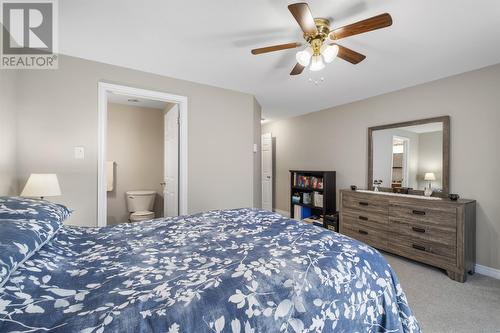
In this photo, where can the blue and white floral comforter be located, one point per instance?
(232, 271)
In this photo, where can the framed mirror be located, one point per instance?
(412, 155)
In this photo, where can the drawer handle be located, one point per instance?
(418, 247)
(418, 212)
(363, 232)
(416, 229)
(363, 218)
(363, 203)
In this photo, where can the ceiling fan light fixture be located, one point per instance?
(316, 31)
(304, 57)
(317, 63)
(330, 52)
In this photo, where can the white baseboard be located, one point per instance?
(282, 212)
(488, 271)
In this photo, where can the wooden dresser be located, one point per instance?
(440, 233)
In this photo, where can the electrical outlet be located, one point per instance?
(79, 153)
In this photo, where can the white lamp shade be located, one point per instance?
(430, 176)
(317, 63)
(304, 57)
(41, 185)
(329, 52)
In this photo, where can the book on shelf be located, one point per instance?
(297, 212)
(305, 212)
(318, 199)
(300, 212)
(307, 181)
(307, 198)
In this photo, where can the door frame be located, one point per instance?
(103, 89)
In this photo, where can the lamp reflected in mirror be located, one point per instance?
(430, 177)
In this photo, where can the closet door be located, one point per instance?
(267, 171)
(171, 181)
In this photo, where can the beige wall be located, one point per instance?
(257, 182)
(135, 144)
(58, 110)
(430, 158)
(8, 183)
(336, 139)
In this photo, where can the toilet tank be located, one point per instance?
(140, 200)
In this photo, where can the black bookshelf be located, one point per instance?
(328, 190)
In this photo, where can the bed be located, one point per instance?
(240, 270)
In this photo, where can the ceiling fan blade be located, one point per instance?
(276, 48)
(349, 55)
(303, 16)
(373, 23)
(297, 69)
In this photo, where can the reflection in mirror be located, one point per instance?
(399, 159)
(410, 156)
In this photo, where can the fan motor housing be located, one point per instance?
(323, 26)
(316, 40)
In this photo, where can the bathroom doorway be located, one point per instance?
(142, 156)
(399, 162)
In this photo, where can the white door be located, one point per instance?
(267, 171)
(171, 182)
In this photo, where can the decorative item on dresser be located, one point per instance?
(436, 231)
(313, 193)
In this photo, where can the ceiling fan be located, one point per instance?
(321, 47)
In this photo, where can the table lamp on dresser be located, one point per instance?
(429, 176)
(42, 185)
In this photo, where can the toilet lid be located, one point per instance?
(142, 213)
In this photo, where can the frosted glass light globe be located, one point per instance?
(329, 53)
(317, 63)
(304, 57)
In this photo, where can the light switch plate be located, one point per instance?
(79, 153)
(255, 149)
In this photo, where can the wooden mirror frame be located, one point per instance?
(446, 151)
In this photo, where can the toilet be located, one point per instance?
(140, 205)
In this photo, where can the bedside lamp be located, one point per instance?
(42, 185)
(429, 176)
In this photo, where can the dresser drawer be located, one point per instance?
(356, 223)
(423, 254)
(446, 216)
(366, 202)
(420, 247)
(368, 217)
(365, 234)
(425, 231)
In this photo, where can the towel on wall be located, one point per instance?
(110, 173)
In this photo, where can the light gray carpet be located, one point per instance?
(443, 305)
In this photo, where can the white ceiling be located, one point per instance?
(210, 41)
(139, 102)
(424, 128)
